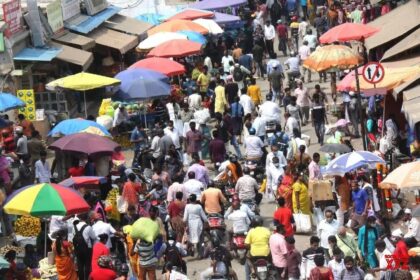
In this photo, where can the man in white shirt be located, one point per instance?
(311, 39)
(291, 124)
(303, 28)
(120, 116)
(253, 145)
(304, 53)
(226, 59)
(84, 265)
(246, 102)
(274, 174)
(239, 218)
(293, 64)
(194, 101)
(337, 263)
(413, 233)
(275, 152)
(100, 227)
(259, 126)
(382, 254)
(270, 110)
(42, 169)
(193, 186)
(155, 147)
(208, 63)
(172, 132)
(327, 227)
(269, 35)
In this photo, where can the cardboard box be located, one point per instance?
(320, 190)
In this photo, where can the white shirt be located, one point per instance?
(325, 230)
(311, 39)
(304, 52)
(207, 62)
(259, 126)
(104, 228)
(293, 63)
(88, 234)
(273, 175)
(155, 147)
(42, 171)
(269, 32)
(193, 186)
(382, 260)
(119, 117)
(291, 123)
(303, 27)
(240, 220)
(225, 63)
(270, 111)
(174, 136)
(194, 101)
(253, 146)
(413, 229)
(280, 155)
(247, 104)
(336, 268)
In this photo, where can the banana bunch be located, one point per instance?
(7, 248)
(27, 226)
(111, 204)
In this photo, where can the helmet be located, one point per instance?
(156, 183)
(233, 158)
(246, 170)
(258, 221)
(105, 261)
(172, 235)
(252, 131)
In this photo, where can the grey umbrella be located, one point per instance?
(335, 148)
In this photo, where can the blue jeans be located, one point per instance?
(234, 143)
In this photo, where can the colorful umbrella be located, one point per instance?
(163, 65)
(190, 14)
(73, 126)
(45, 200)
(346, 84)
(160, 38)
(83, 181)
(142, 84)
(176, 48)
(348, 32)
(210, 25)
(351, 161)
(194, 36)
(84, 143)
(10, 102)
(178, 25)
(406, 176)
(332, 57)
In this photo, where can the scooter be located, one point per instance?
(238, 244)
(263, 270)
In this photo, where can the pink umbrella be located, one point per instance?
(347, 83)
(85, 143)
(341, 123)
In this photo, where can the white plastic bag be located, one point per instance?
(303, 223)
(121, 204)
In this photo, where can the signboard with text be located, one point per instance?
(70, 8)
(12, 15)
(55, 16)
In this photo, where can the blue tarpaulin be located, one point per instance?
(93, 21)
(37, 54)
(154, 19)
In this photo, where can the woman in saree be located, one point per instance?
(285, 189)
(63, 251)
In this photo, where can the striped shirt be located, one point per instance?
(146, 254)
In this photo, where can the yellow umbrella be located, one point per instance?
(81, 82)
(94, 130)
(332, 57)
(406, 176)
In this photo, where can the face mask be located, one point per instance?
(373, 225)
(276, 164)
(360, 183)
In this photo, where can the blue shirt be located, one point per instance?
(359, 197)
(236, 110)
(246, 61)
(136, 135)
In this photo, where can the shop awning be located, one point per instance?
(407, 86)
(74, 56)
(37, 54)
(92, 22)
(114, 39)
(405, 62)
(85, 43)
(128, 25)
(394, 24)
(410, 42)
(411, 107)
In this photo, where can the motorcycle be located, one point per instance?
(257, 170)
(238, 246)
(143, 158)
(270, 129)
(216, 228)
(264, 270)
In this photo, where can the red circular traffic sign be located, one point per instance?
(373, 72)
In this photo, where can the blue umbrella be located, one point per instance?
(153, 19)
(351, 161)
(73, 126)
(142, 84)
(9, 102)
(194, 36)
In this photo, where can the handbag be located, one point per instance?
(122, 204)
(303, 223)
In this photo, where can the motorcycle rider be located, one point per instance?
(254, 146)
(257, 241)
(173, 252)
(276, 152)
(159, 192)
(292, 63)
(212, 199)
(247, 188)
(233, 170)
(239, 218)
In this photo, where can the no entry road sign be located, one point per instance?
(373, 72)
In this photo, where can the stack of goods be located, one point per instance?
(27, 226)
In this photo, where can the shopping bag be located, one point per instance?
(263, 186)
(303, 223)
(121, 204)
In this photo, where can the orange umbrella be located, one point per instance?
(406, 176)
(163, 65)
(347, 32)
(176, 48)
(190, 14)
(178, 25)
(332, 57)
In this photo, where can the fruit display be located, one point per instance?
(7, 248)
(111, 203)
(27, 226)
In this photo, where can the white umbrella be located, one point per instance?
(210, 25)
(159, 38)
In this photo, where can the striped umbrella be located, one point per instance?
(332, 57)
(45, 200)
(351, 161)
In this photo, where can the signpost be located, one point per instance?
(12, 15)
(373, 73)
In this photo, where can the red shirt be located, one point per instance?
(284, 216)
(76, 171)
(282, 31)
(99, 249)
(401, 251)
(103, 274)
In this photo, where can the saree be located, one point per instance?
(285, 190)
(64, 263)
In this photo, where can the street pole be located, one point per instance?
(361, 113)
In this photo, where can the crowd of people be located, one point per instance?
(249, 149)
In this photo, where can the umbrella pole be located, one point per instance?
(45, 238)
(84, 97)
(359, 103)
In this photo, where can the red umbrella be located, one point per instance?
(190, 14)
(347, 32)
(163, 65)
(83, 181)
(176, 48)
(85, 143)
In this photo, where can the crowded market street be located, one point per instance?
(235, 139)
